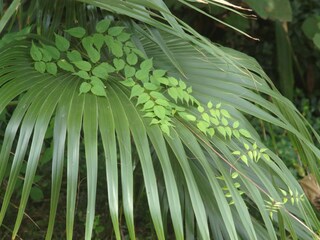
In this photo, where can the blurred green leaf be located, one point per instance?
(310, 26)
(316, 40)
(36, 194)
(272, 9)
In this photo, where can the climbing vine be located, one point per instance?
(274, 206)
(109, 54)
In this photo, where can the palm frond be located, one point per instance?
(197, 171)
(237, 90)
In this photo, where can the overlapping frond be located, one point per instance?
(209, 191)
(211, 78)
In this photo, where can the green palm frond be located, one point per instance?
(212, 78)
(192, 179)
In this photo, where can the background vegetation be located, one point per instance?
(288, 50)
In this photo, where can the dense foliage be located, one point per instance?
(144, 126)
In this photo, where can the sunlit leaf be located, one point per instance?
(53, 51)
(40, 66)
(118, 64)
(63, 64)
(123, 37)
(35, 52)
(82, 74)
(115, 31)
(245, 133)
(132, 58)
(61, 43)
(116, 49)
(160, 111)
(98, 40)
(143, 98)
(129, 71)
(51, 68)
(103, 25)
(74, 56)
(136, 91)
(85, 87)
(77, 32)
(83, 65)
(146, 65)
(100, 71)
(98, 91)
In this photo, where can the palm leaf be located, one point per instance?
(141, 142)
(211, 76)
(74, 126)
(190, 163)
(124, 142)
(59, 141)
(110, 150)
